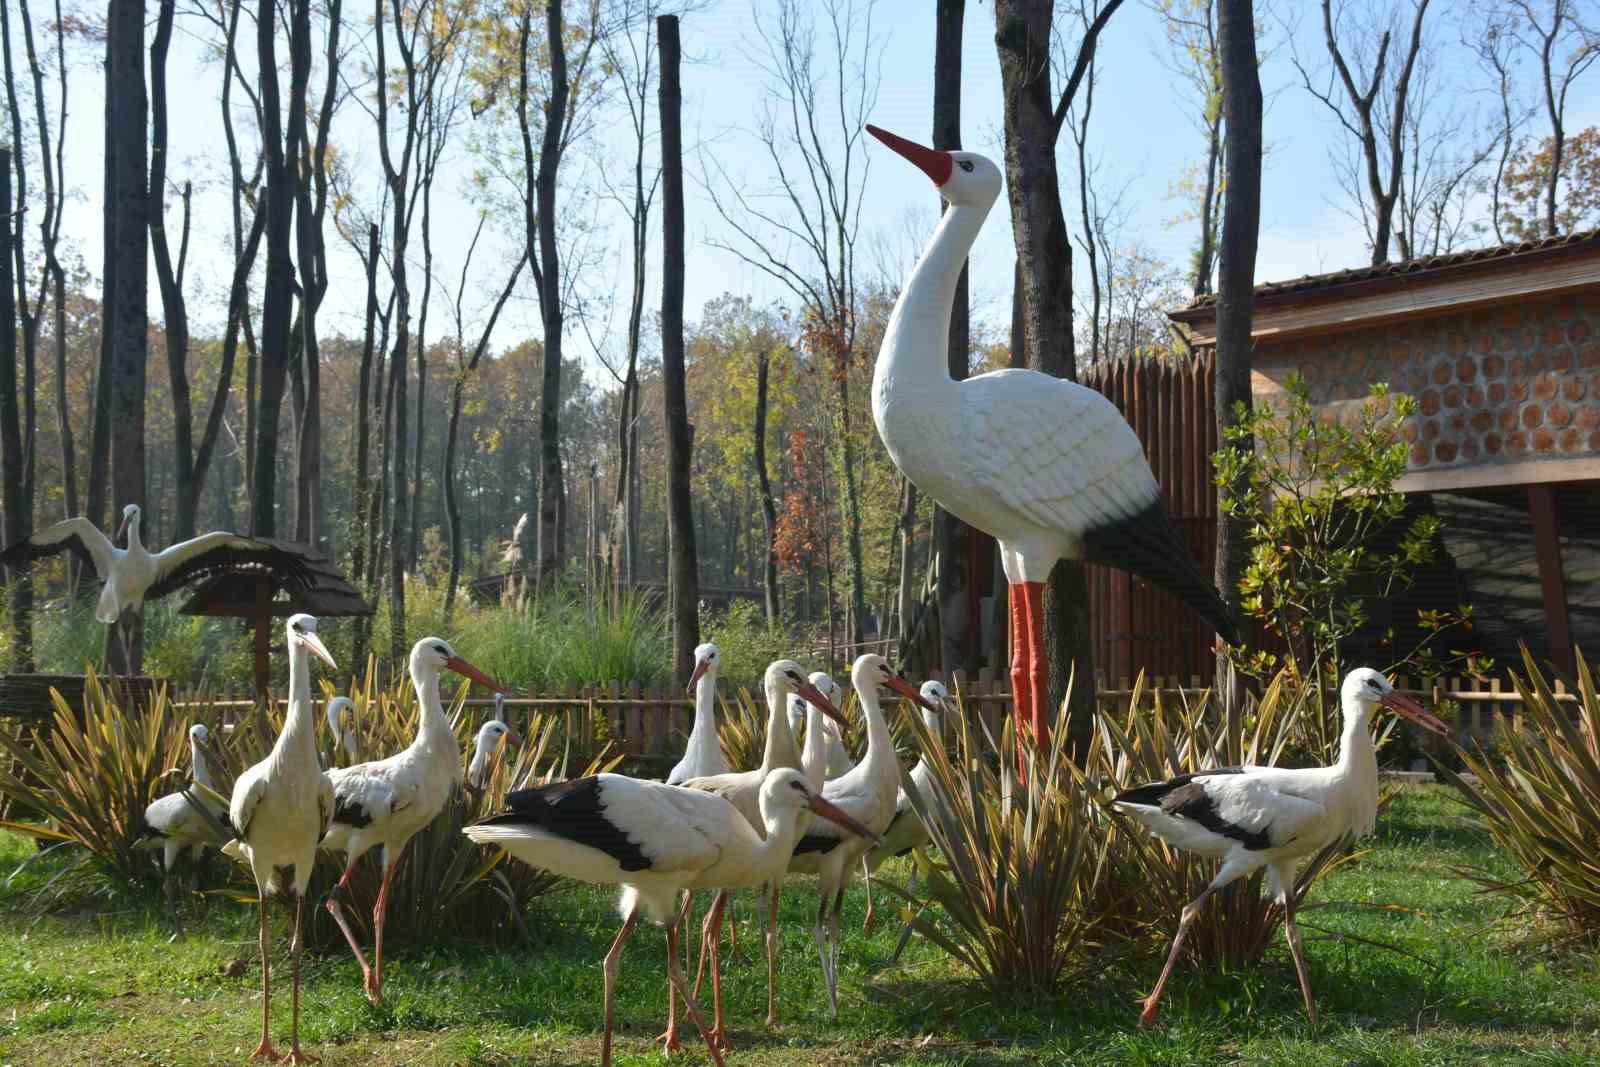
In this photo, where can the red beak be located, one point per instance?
(814, 695)
(512, 739)
(835, 814)
(1414, 711)
(700, 668)
(932, 162)
(910, 692)
(122, 528)
(462, 667)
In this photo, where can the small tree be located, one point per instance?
(1318, 499)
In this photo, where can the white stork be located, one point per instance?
(341, 714)
(178, 820)
(135, 574)
(484, 750)
(655, 840)
(385, 802)
(702, 755)
(783, 679)
(280, 808)
(1050, 468)
(1269, 817)
(868, 793)
(823, 755)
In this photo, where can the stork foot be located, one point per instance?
(265, 1051)
(718, 1038)
(669, 1041)
(299, 1055)
(369, 982)
(1147, 1017)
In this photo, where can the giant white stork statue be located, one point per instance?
(385, 802)
(655, 840)
(868, 793)
(1048, 467)
(135, 574)
(1255, 817)
(702, 755)
(280, 808)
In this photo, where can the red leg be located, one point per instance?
(613, 963)
(1021, 681)
(682, 983)
(718, 1035)
(669, 1039)
(297, 1055)
(265, 1051)
(1038, 665)
(349, 935)
(379, 911)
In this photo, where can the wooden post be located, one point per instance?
(263, 633)
(1542, 507)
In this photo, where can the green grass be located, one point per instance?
(1461, 984)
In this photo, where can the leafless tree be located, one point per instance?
(1546, 28)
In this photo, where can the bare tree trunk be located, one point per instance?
(13, 458)
(364, 495)
(684, 569)
(1241, 223)
(1022, 37)
(127, 256)
(769, 509)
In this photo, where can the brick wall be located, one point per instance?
(1495, 386)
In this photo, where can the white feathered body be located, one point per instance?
(867, 792)
(906, 830)
(281, 805)
(177, 823)
(385, 802)
(702, 755)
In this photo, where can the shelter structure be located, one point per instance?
(261, 595)
(1501, 348)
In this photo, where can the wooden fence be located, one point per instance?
(1137, 626)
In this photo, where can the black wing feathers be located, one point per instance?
(27, 551)
(573, 810)
(289, 566)
(1183, 797)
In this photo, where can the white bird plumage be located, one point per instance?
(655, 840)
(823, 754)
(385, 802)
(340, 715)
(1273, 817)
(906, 831)
(485, 747)
(1050, 468)
(176, 821)
(279, 809)
(702, 754)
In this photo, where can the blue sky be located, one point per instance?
(1140, 131)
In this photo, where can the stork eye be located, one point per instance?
(965, 164)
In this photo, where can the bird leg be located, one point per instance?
(718, 1035)
(610, 967)
(669, 1039)
(675, 973)
(379, 912)
(1038, 665)
(866, 877)
(296, 1054)
(833, 953)
(905, 931)
(772, 955)
(1021, 677)
(265, 1051)
(820, 936)
(1291, 933)
(1190, 910)
(337, 912)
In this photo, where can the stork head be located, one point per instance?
(130, 520)
(490, 733)
(962, 177)
(705, 663)
(786, 678)
(786, 790)
(434, 654)
(871, 674)
(339, 709)
(198, 733)
(1365, 689)
(303, 634)
(936, 694)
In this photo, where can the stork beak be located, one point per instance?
(314, 643)
(835, 814)
(122, 528)
(910, 692)
(932, 162)
(700, 668)
(814, 695)
(1403, 704)
(513, 739)
(462, 667)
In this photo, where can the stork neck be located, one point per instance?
(135, 541)
(880, 744)
(917, 338)
(816, 752)
(704, 731)
(432, 726)
(1355, 743)
(780, 750)
(299, 731)
(202, 770)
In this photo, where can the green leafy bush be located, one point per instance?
(1537, 792)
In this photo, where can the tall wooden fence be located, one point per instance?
(1137, 626)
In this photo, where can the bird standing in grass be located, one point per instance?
(280, 808)
(655, 840)
(385, 802)
(1270, 817)
(702, 755)
(179, 820)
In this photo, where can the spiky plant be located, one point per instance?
(742, 729)
(1538, 794)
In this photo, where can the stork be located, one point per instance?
(135, 574)
(783, 679)
(1269, 817)
(385, 802)
(484, 750)
(179, 821)
(823, 756)
(341, 714)
(1048, 467)
(906, 830)
(868, 793)
(279, 809)
(655, 840)
(702, 755)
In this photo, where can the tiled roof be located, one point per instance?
(1426, 264)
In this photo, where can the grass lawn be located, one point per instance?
(123, 982)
